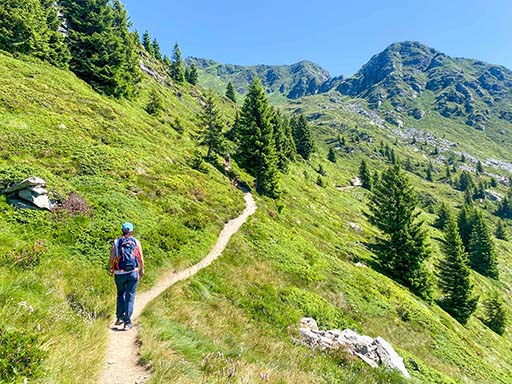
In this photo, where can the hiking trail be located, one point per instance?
(122, 357)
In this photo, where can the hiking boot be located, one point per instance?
(127, 326)
(119, 322)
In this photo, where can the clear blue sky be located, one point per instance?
(339, 35)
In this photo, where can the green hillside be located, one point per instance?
(308, 253)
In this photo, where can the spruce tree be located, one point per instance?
(303, 137)
(454, 275)
(365, 176)
(465, 221)
(191, 75)
(481, 249)
(501, 231)
(155, 104)
(479, 167)
(443, 215)
(429, 172)
(495, 314)
(177, 69)
(403, 246)
(102, 48)
(211, 128)
(285, 147)
(230, 92)
(146, 43)
(31, 27)
(255, 134)
(331, 156)
(156, 50)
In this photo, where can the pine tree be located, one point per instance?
(365, 176)
(504, 209)
(191, 75)
(102, 48)
(146, 43)
(429, 173)
(155, 104)
(403, 246)
(211, 128)
(466, 181)
(230, 92)
(177, 69)
(331, 156)
(454, 275)
(302, 137)
(448, 176)
(442, 217)
(481, 249)
(465, 221)
(156, 50)
(31, 27)
(479, 167)
(501, 231)
(167, 62)
(255, 133)
(496, 316)
(285, 147)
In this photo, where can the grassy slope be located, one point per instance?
(238, 319)
(127, 165)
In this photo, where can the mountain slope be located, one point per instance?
(405, 74)
(293, 81)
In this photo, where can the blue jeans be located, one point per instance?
(126, 285)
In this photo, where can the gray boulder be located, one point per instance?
(389, 357)
(27, 183)
(40, 201)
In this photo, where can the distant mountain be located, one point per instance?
(293, 81)
(413, 78)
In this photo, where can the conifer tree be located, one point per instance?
(230, 92)
(465, 221)
(429, 173)
(442, 217)
(31, 27)
(211, 128)
(496, 316)
(501, 231)
(156, 50)
(331, 156)
(102, 48)
(167, 62)
(466, 181)
(365, 176)
(482, 255)
(191, 75)
(177, 69)
(155, 104)
(285, 147)
(504, 209)
(255, 134)
(479, 167)
(454, 275)
(303, 137)
(146, 43)
(403, 246)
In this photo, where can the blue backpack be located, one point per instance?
(126, 258)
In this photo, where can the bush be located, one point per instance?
(27, 257)
(19, 355)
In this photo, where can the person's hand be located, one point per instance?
(141, 274)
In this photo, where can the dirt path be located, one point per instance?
(121, 362)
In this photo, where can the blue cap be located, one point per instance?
(127, 227)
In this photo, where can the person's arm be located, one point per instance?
(141, 259)
(112, 259)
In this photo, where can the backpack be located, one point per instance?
(125, 252)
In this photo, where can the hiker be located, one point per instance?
(127, 266)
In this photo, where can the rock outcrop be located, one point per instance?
(29, 193)
(375, 352)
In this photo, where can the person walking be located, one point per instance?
(127, 266)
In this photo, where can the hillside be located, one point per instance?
(292, 81)
(308, 253)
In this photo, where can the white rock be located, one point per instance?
(27, 183)
(389, 357)
(41, 201)
(308, 323)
